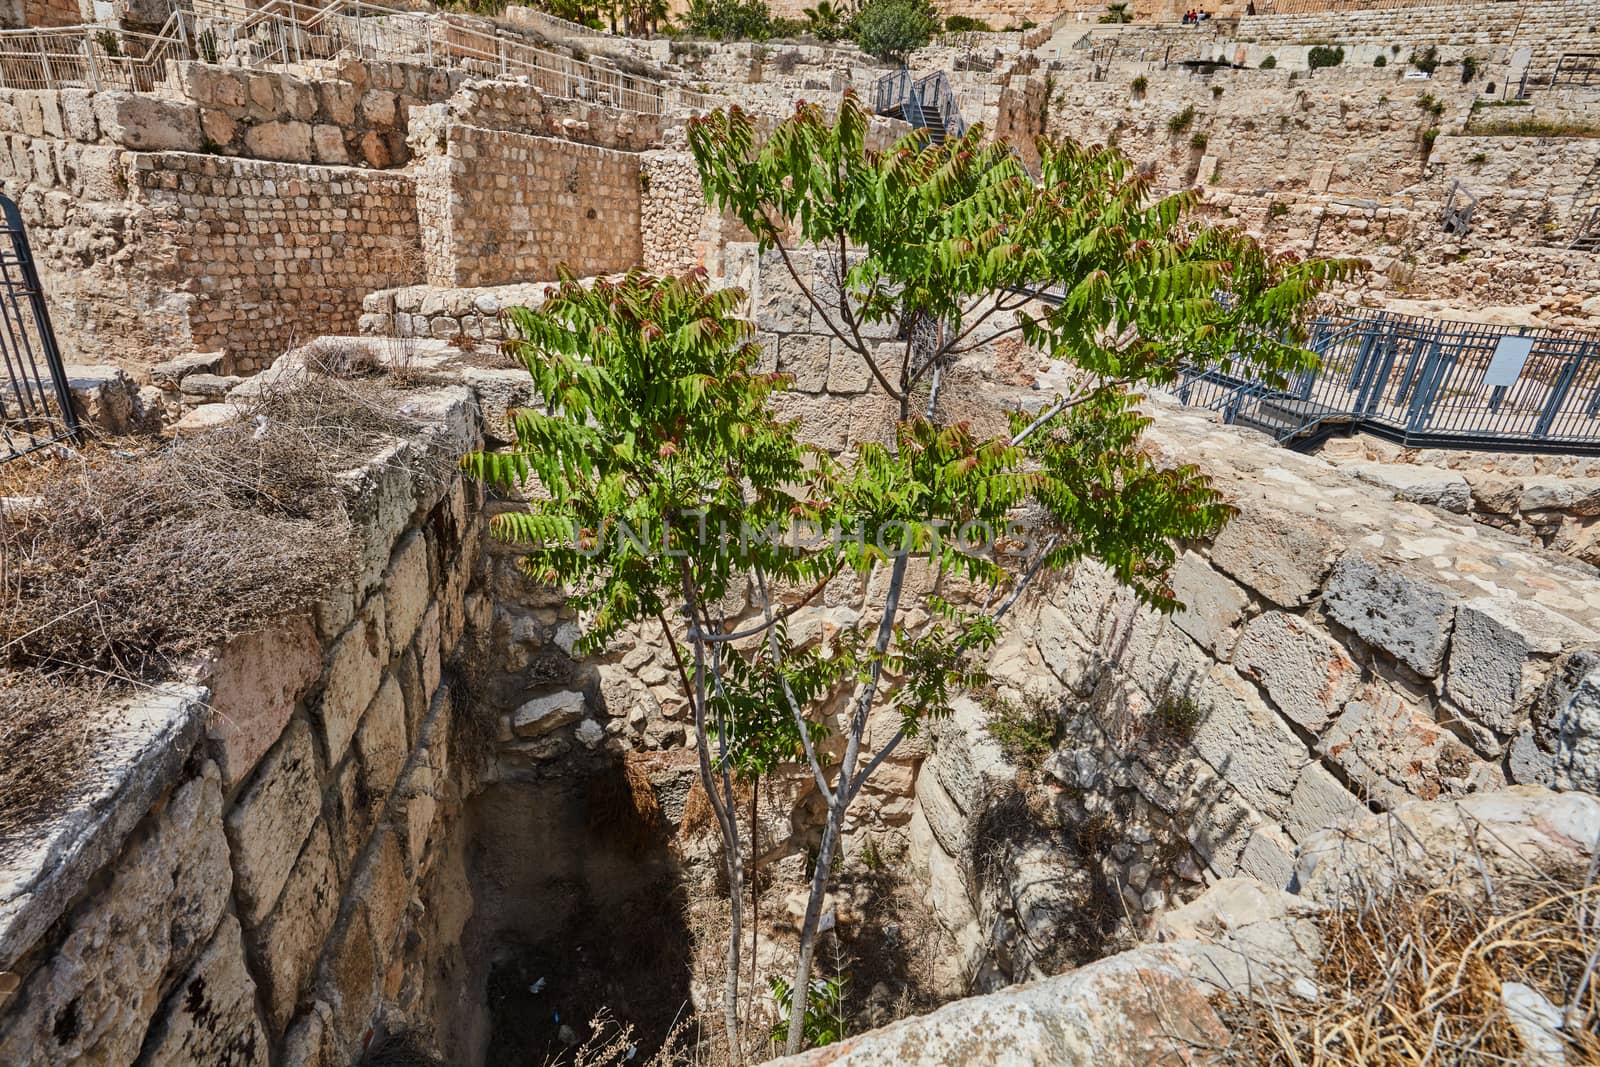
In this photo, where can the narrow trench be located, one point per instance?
(578, 907)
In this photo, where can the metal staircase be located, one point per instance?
(927, 103)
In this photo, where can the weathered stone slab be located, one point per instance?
(1246, 743)
(1393, 752)
(406, 590)
(270, 821)
(138, 756)
(1420, 485)
(1304, 671)
(290, 941)
(1493, 671)
(381, 740)
(210, 1019)
(1561, 746)
(1319, 803)
(257, 681)
(966, 760)
(1281, 556)
(1212, 605)
(355, 667)
(543, 714)
(1393, 608)
(91, 999)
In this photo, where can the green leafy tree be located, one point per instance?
(893, 29)
(1117, 13)
(828, 22)
(951, 248)
(729, 20)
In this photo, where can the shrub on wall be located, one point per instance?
(1426, 60)
(1182, 120)
(1323, 56)
(893, 29)
(1381, 61)
(1269, 63)
(729, 20)
(966, 24)
(1139, 85)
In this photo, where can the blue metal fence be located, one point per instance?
(1426, 383)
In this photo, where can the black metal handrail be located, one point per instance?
(1426, 383)
(35, 400)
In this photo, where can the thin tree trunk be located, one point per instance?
(843, 793)
(755, 887)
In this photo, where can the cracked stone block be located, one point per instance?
(1305, 673)
(1246, 742)
(1390, 607)
(255, 685)
(289, 942)
(1419, 485)
(541, 715)
(210, 1019)
(1561, 745)
(1283, 557)
(1392, 751)
(91, 999)
(1212, 605)
(355, 668)
(1499, 657)
(270, 821)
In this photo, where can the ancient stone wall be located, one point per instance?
(271, 253)
(238, 879)
(1247, 129)
(1338, 650)
(1547, 28)
(508, 207)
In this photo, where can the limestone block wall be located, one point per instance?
(1547, 28)
(1339, 650)
(239, 879)
(1355, 131)
(271, 253)
(510, 207)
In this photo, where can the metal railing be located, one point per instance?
(927, 103)
(35, 400)
(287, 31)
(1426, 383)
(1307, 7)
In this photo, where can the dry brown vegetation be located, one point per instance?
(128, 557)
(1415, 976)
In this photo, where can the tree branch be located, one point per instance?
(788, 693)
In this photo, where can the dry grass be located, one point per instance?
(1414, 976)
(137, 555)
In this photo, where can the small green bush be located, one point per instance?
(1269, 63)
(729, 20)
(1198, 142)
(1278, 210)
(1026, 732)
(1182, 120)
(1139, 85)
(1323, 56)
(1426, 60)
(1216, 92)
(1469, 68)
(1117, 13)
(1430, 104)
(893, 29)
(1381, 61)
(966, 24)
(1430, 135)
(1176, 718)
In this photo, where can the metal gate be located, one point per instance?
(35, 402)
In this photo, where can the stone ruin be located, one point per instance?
(304, 847)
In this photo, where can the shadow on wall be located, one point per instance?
(579, 906)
